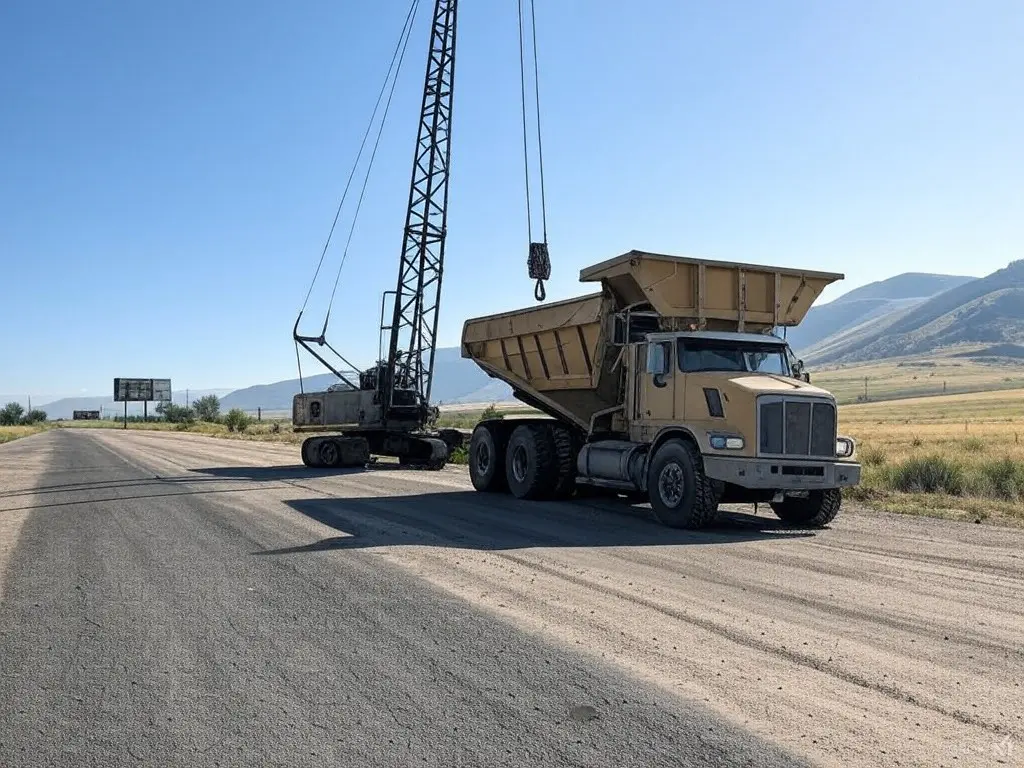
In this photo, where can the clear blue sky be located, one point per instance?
(169, 171)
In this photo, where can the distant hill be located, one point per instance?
(988, 311)
(456, 380)
(276, 396)
(879, 301)
(904, 286)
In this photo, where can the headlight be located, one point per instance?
(726, 442)
(844, 447)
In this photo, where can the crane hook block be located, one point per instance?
(540, 268)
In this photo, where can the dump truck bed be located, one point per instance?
(712, 295)
(558, 356)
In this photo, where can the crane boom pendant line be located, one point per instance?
(305, 341)
(417, 295)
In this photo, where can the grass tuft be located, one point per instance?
(927, 474)
(460, 455)
(872, 456)
(974, 444)
(1001, 478)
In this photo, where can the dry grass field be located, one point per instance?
(276, 430)
(13, 433)
(894, 379)
(959, 456)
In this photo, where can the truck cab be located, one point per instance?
(763, 431)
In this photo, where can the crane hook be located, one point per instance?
(540, 268)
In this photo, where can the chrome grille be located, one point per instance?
(793, 426)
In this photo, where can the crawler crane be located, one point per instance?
(386, 410)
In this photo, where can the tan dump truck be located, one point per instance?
(669, 385)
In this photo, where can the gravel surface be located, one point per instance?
(175, 600)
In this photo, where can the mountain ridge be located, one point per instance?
(875, 301)
(988, 310)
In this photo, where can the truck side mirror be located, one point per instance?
(800, 373)
(659, 363)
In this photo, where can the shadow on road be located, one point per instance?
(291, 472)
(470, 520)
(213, 474)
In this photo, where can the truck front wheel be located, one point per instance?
(817, 509)
(681, 496)
(487, 459)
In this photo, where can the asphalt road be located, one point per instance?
(174, 621)
(172, 599)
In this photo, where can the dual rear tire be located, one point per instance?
(532, 461)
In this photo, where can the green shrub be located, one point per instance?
(35, 416)
(460, 455)
(927, 474)
(207, 408)
(11, 414)
(490, 412)
(178, 414)
(237, 420)
(1003, 479)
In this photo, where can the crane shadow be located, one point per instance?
(471, 520)
(292, 472)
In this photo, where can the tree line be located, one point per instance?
(13, 414)
(205, 409)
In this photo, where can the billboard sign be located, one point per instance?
(162, 390)
(85, 415)
(142, 390)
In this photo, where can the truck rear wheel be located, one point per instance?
(565, 456)
(531, 462)
(487, 459)
(681, 496)
(817, 509)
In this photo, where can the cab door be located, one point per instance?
(655, 383)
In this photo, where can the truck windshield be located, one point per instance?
(697, 355)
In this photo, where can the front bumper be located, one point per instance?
(781, 474)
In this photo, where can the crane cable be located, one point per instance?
(397, 58)
(407, 31)
(539, 261)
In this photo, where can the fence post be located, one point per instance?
(259, 414)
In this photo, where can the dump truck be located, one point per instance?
(671, 385)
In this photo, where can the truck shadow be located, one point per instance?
(471, 520)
